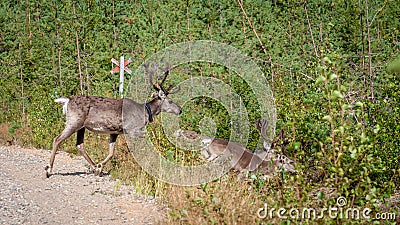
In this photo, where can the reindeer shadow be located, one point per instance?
(79, 173)
(70, 173)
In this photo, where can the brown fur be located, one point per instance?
(104, 115)
(241, 159)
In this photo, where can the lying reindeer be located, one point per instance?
(265, 162)
(104, 115)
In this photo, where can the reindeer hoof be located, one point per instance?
(48, 171)
(91, 169)
(98, 173)
(99, 170)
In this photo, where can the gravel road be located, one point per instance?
(70, 196)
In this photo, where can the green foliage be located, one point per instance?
(350, 152)
(394, 66)
(336, 90)
(13, 127)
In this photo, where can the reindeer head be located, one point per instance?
(284, 163)
(161, 102)
(271, 155)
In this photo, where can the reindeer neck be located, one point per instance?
(149, 112)
(154, 106)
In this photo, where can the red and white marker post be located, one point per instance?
(121, 67)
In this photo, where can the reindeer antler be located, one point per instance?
(166, 73)
(262, 125)
(173, 92)
(151, 72)
(160, 86)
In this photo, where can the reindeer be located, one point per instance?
(104, 115)
(264, 161)
(270, 154)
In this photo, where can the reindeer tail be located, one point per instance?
(64, 101)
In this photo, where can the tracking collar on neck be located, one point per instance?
(147, 106)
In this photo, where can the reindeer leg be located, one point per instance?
(113, 138)
(68, 131)
(80, 135)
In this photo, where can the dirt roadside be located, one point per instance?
(70, 196)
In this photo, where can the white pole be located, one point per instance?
(121, 76)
